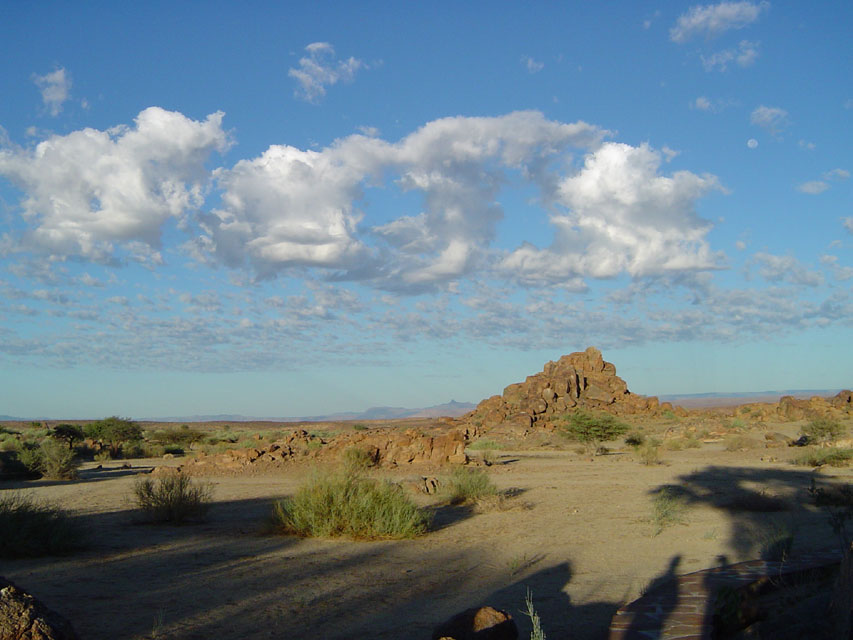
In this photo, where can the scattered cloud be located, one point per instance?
(55, 89)
(813, 187)
(712, 20)
(773, 119)
(808, 146)
(775, 268)
(532, 65)
(839, 272)
(90, 189)
(320, 69)
(744, 56)
(702, 104)
(848, 223)
(752, 143)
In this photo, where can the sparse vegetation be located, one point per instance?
(359, 427)
(348, 504)
(184, 436)
(465, 486)
(356, 458)
(57, 462)
(592, 429)
(114, 432)
(30, 528)
(635, 439)
(832, 456)
(484, 445)
(822, 430)
(741, 443)
(649, 452)
(667, 509)
(536, 633)
(175, 498)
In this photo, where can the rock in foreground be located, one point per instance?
(23, 617)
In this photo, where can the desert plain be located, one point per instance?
(575, 528)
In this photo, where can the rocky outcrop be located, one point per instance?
(484, 623)
(579, 380)
(23, 617)
(382, 447)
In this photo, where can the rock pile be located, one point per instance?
(790, 408)
(23, 617)
(382, 447)
(579, 380)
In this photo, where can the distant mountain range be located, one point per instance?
(455, 409)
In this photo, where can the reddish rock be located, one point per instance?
(485, 623)
(23, 617)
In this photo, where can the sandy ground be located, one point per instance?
(577, 535)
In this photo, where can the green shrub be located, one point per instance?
(30, 455)
(356, 458)
(58, 462)
(483, 445)
(174, 498)
(667, 509)
(29, 528)
(184, 436)
(823, 430)
(832, 456)
(669, 414)
(359, 427)
(635, 439)
(114, 432)
(536, 633)
(465, 486)
(592, 429)
(350, 505)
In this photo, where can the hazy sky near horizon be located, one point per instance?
(293, 209)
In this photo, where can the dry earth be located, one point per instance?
(576, 534)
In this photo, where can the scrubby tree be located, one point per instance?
(592, 428)
(114, 432)
(70, 433)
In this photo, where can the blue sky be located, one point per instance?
(288, 210)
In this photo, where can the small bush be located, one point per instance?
(774, 541)
(184, 436)
(669, 414)
(823, 430)
(741, 443)
(667, 509)
(692, 443)
(484, 445)
(832, 456)
(674, 444)
(29, 528)
(30, 455)
(649, 452)
(593, 429)
(57, 462)
(359, 427)
(536, 633)
(350, 505)
(635, 439)
(356, 458)
(174, 498)
(467, 486)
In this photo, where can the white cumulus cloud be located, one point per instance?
(91, 188)
(712, 20)
(622, 216)
(55, 89)
(296, 208)
(320, 69)
(533, 66)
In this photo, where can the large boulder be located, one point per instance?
(484, 623)
(23, 617)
